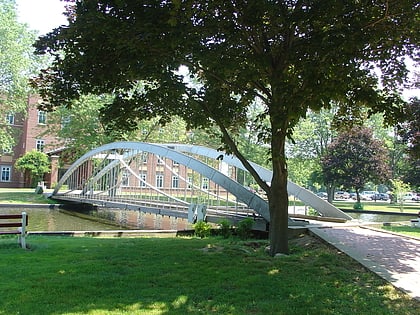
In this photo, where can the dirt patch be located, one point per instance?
(211, 249)
(255, 245)
(306, 241)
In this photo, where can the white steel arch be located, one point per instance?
(177, 152)
(308, 197)
(252, 200)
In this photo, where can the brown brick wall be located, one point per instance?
(28, 131)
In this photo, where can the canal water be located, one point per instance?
(55, 219)
(375, 217)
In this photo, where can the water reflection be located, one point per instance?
(375, 217)
(44, 219)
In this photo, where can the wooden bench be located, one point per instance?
(18, 221)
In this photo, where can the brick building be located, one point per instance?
(31, 134)
(29, 131)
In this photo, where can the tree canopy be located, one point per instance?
(80, 129)
(34, 162)
(16, 65)
(355, 158)
(291, 55)
(409, 131)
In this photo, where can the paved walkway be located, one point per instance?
(392, 257)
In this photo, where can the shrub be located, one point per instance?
(202, 229)
(313, 212)
(225, 228)
(358, 206)
(244, 229)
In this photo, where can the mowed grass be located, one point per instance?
(65, 275)
(22, 195)
(409, 207)
(404, 229)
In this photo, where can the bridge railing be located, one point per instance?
(179, 175)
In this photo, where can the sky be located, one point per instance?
(41, 15)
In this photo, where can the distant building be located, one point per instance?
(30, 135)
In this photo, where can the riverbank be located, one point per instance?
(23, 196)
(380, 206)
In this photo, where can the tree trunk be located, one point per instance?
(278, 198)
(279, 217)
(330, 192)
(357, 196)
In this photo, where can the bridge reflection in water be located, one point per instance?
(179, 181)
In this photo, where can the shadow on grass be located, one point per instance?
(60, 275)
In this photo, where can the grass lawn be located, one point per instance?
(22, 195)
(406, 230)
(380, 206)
(64, 275)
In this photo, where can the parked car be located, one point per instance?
(411, 196)
(322, 195)
(367, 194)
(380, 196)
(341, 195)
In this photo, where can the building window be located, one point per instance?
(42, 117)
(10, 118)
(144, 157)
(160, 160)
(175, 163)
(205, 183)
(142, 181)
(159, 181)
(189, 182)
(125, 179)
(40, 145)
(6, 172)
(175, 181)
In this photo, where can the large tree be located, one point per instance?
(16, 64)
(291, 55)
(355, 158)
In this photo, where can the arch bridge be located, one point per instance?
(183, 181)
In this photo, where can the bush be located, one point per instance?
(202, 229)
(225, 228)
(244, 229)
(313, 212)
(358, 206)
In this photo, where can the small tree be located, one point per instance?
(354, 159)
(34, 162)
(399, 190)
